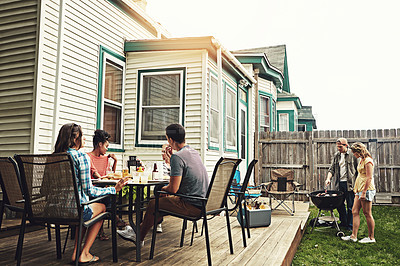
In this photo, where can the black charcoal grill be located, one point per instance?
(328, 203)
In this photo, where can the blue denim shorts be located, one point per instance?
(87, 214)
(369, 195)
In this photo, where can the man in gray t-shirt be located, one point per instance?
(188, 177)
(194, 182)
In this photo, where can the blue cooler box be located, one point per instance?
(257, 218)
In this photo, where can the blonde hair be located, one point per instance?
(361, 149)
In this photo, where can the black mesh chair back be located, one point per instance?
(50, 190)
(13, 198)
(212, 204)
(220, 184)
(10, 184)
(248, 175)
(240, 196)
(48, 182)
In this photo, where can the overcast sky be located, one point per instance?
(343, 56)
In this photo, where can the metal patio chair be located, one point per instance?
(10, 185)
(213, 203)
(51, 196)
(240, 193)
(282, 187)
(10, 182)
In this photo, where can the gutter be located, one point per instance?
(268, 63)
(266, 59)
(233, 59)
(137, 13)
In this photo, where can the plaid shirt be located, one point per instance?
(351, 169)
(83, 180)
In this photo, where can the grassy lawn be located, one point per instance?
(322, 246)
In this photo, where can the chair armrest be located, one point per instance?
(235, 192)
(297, 184)
(97, 199)
(266, 185)
(234, 189)
(20, 201)
(182, 196)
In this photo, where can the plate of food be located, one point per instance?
(115, 176)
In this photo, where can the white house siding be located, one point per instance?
(286, 105)
(212, 156)
(268, 87)
(192, 61)
(18, 24)
(274, 91)
(85, 25)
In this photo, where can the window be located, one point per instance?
(230, 127)
(273, 116)
(110, 108)
(160, 102)
(283, 122)
(214, 110)
(243, 95)
(301, 127)
(264, 114)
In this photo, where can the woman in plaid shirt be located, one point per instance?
(70, 139)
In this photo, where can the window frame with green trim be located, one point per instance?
(271, 112)
(287, 122)
(110, 63)
(228, 117)
(144, 139)
(213, 143)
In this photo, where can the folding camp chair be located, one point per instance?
(282, 187)
(250, 193)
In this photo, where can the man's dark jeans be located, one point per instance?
(345, 214)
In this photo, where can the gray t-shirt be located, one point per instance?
(187, 163)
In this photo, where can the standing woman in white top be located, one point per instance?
(364, 190)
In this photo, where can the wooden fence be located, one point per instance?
(310, 154)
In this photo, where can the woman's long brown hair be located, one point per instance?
(66, 137)
(361, 149)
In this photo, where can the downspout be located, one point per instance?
(233, 60)
(221, 101)
(256, 130)
(33, 146)
(57, 91)
(204, 108)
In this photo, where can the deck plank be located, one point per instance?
(267, 245)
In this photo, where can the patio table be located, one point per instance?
(138, 204)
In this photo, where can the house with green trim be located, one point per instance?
(62, 62)
(108, 65)
(277, 108)
(306, 119)
(287, 111)
(195, 82)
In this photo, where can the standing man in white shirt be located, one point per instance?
(344, 171)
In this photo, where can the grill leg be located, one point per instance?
(334, 220)
(315, 221)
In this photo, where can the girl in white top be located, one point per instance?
(364, 190)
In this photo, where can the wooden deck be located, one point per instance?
(273, 245)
